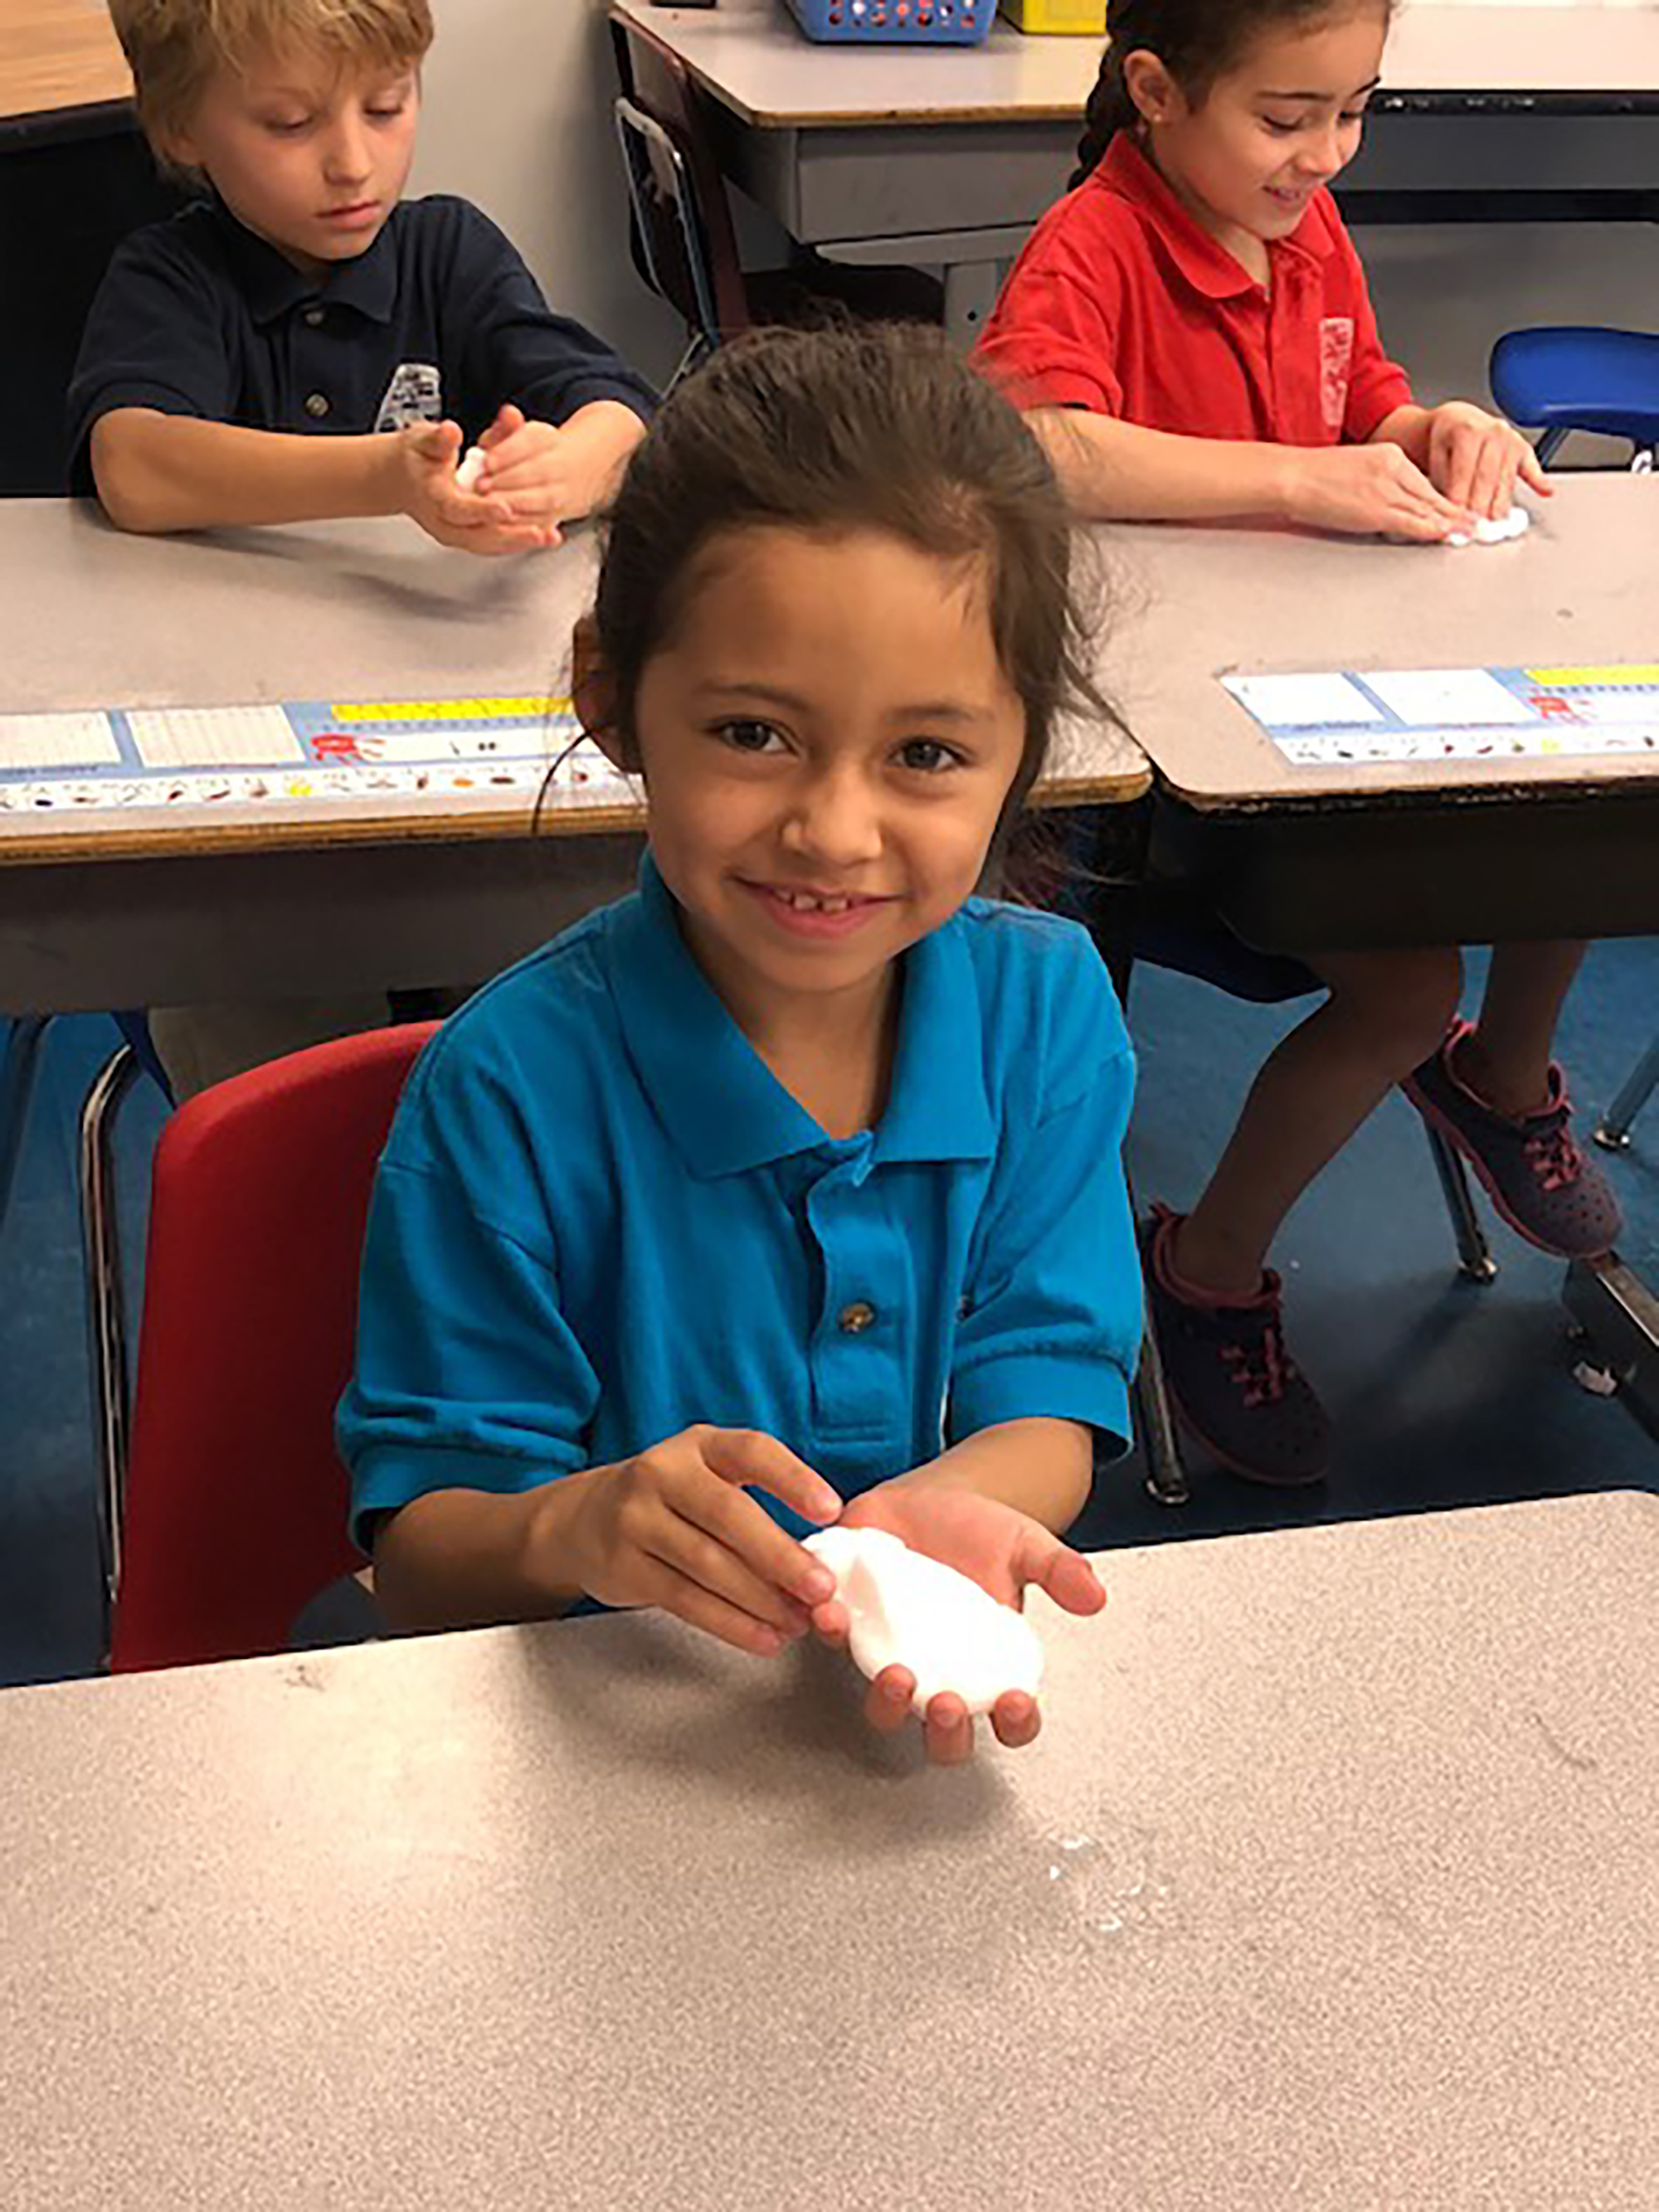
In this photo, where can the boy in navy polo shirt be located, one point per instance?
(305, 344)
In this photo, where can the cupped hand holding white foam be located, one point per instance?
(908, 1610)
(469, 468)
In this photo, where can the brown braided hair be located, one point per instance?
(1198, 41)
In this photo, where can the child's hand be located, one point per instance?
(1474, 458)
(1005, 1552)
(1364, 489)
(543, 475)
(672, 1528)
(426, 454)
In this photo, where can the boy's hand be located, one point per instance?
(672, 1528)
(426, 455)
(544, 475)
(1005, 1552)
(1474, 458)
(1363, 490)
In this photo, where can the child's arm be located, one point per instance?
(555, 473)
(671, 1527)
(1472, 457)
(1118, 472)
(158, 472)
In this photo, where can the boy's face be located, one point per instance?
(310, 153)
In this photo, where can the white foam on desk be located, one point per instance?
(1494, 529)
(907, 1610)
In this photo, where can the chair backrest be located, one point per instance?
(672, 257)
(657, 84)
(235, 1507)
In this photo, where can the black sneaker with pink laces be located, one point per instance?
(1530, 1166)
(1231, 1380)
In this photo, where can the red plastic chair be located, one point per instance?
(231, 1513)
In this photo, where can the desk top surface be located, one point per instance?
(1332, 1882)
(1193, 605)
(362, 610)
(58, 54)
(751, 56)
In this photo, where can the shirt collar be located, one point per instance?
(1202, 260)
(274, 288)
(724, 1110)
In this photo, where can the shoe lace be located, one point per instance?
(1553, 1155)
(1262, 1369)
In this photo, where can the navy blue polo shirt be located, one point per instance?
(198, 316)
(601, 1219)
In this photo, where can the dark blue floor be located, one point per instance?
(1444, 1394)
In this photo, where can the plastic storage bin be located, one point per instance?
(897, 22)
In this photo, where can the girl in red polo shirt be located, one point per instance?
(1191, 332)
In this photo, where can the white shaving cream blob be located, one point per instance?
(1493, 529)
(469, 468)
(908, 1610)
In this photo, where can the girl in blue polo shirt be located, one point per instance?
(1191, 332)
(798, 1173)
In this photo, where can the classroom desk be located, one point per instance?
(1439, 851)
(60, 62)
(1332, 1883)
(203, 901)
(945, 156)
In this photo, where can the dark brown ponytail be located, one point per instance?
(1196, 41)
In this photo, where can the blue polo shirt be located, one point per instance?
(440, 317)
(601, 1219)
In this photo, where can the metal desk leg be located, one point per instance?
(17, 1079)
(1474, 1260)
(1166, 1478)
(1612, 1130)
(100, 1241)
(971, 292)
(1617, 1314)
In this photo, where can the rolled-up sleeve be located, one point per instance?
(1053, 339)
(1054, 1307)
(153, 338)
(468, 1376)
(516, 349)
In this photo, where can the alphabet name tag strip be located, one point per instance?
(1318, 720)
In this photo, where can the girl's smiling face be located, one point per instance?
(827, 739)
(1249, 153)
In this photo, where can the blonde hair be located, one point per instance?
(174, 47)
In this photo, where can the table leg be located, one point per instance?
(1619, 1315)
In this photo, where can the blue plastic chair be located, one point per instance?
(1581, 377)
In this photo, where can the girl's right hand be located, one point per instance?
(425, 455)
(1363, 489)
(672, 1528)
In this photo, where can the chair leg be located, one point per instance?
(1612, 1130)
(1549, 444)
(17, 1079)
(101, 1244)
(1474, 1260)
(1166, 1478)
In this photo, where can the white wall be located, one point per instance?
(518, 118)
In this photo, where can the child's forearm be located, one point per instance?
(1407, 427)
(162, 473)
(599, 438)
(1118, 472)
(1042, 1466)
(468, 1558)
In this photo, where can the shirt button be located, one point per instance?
(857, 1317)
(317, 405)
(313, 317)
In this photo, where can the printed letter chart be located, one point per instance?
(376, 756)
(1454, 714)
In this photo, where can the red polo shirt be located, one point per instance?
(1122, 302)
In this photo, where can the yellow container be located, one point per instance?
(1084, 16)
